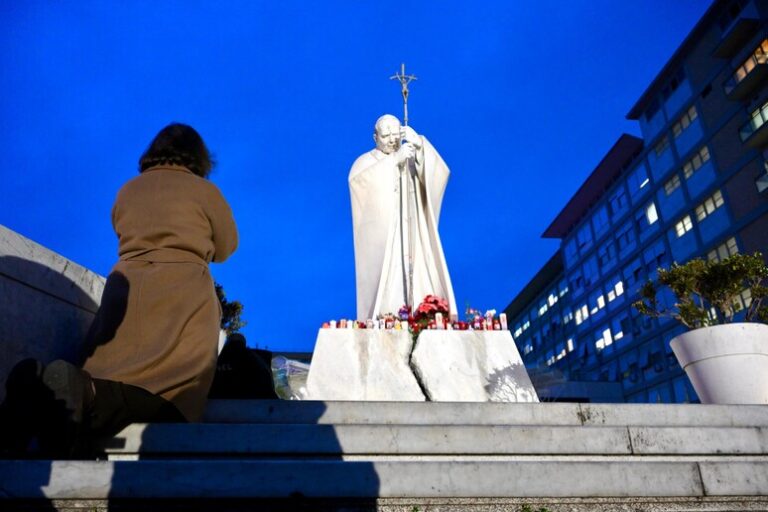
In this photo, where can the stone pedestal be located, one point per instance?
(471, 366)
(446, 366)
(362, 364)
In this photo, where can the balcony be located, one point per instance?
(754, 133)
(736, 37)
(747, 78)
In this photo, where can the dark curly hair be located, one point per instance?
(178, 144)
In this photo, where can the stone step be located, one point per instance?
(386, 479)
(247, 440)
(483, 413)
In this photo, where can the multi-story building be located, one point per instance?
(695, 185)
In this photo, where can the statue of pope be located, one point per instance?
(396, 191)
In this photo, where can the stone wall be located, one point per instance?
(47, 303)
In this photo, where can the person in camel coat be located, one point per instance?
(158, 324)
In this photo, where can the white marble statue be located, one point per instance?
(396, 191)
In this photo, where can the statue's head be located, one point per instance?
(387, 134)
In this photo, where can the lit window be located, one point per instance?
(526, 325)
(542, 309)
(650, 213)
(581, 314)
(601, 302)
(552, 299)
(683, 226)
(672, 184)
(757, 57)
(528, 349)
(693, 165)
(611, 295)
(724, 250)
(685, 121)
(743, 300)
(619, 288)
(569, 344)
(607, 337)
(709, 205)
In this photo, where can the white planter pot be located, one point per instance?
(727, 364)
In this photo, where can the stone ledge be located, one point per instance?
(484, 413)
(276, 479)
(245, 440)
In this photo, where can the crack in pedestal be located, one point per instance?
(417, 374)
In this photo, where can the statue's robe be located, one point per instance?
(380, 216)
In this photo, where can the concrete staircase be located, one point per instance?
(282, 455)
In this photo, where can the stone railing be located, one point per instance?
(47, 302)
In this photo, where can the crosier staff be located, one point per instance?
(411, 195)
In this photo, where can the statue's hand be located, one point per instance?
(406, 151)
(411, 136)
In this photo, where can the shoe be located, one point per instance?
(72, 386)
(67, 411)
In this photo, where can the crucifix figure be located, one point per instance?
(396, 191)
(404, 81)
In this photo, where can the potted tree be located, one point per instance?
(725, 352)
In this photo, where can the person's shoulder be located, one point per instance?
(362, 162)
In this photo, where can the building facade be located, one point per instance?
(695, 185)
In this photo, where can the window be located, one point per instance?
(577, 281)
(542, 308)
(683, 226)
(618, 201)
(584, 237)
(591, 273)
(646, 217)
(743, 300)
(604, 338)
(606, 254)
(672, 184)
(693, 165)
(661, 146)
(685, 121)
(518, 331)
(616, 289)
(600, 221)
(569, 345)
(580, 314)
(722, 251)
(655, 255)
(757, 57)
(709, 205)
(625, 236)
(527, 349)
(633, 272)
(756, 120)
(552, 299)
(637, 180)
(617, 326)
(562, 287)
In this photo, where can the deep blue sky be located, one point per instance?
(522, 99)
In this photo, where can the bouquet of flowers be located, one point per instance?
(426, 315)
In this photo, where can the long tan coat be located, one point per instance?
(158, 323)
